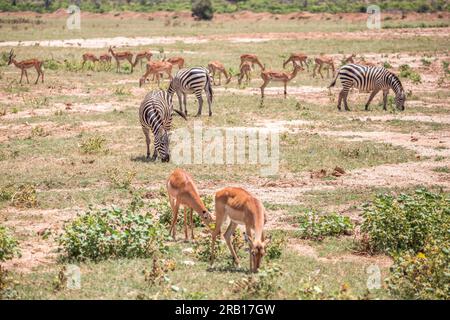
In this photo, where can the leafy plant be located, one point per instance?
(426, 62)
(316, 226)
(387, 65)
(113, 233)
(25, 196)
(393, 224)
(260, 285)
(202, 9)
(8, 245)
(119, 179)
(425, 275)
(274, 249)
(93, 145)
(407, 72)
(202, 248)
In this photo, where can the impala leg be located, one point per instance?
(191, 220)
(131, 63)
(26, 75)
(372, 95)
(285, 90)
(147, 140)
(185, 213)
(320, 72)
(227, 235)
(314, 70)
(220, 217)
(262, 89)
(248, 231)
(175, 207)
(21, 76)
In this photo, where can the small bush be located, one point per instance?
(408, 73)
(317, 227)
(202, 248)
(406, 222)
(202, 9)
(262, 285)
(112, 233)
(25, 197)
(121, 180)
(425, 275)
(426, 62)
(274, 249)
(387, 65)
(93, 145)
(8, 245)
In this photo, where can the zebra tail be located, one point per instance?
(333, 83)
(208, 88)
(180, 113)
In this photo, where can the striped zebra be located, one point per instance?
(369, 79)
(155, 113)
(192, 80)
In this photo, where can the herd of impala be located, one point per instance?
(157, 69)
(236, 204)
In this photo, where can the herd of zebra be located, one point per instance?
(155, 112)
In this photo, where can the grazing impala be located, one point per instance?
(242, 208)
(245, 70)
(320, 62)
(177, 61)
(349, 59)
(284, 77)
(252, 58)
(156, 68)
(124, 55)
(298, 58)
(141, 56)
(105, 58)
(27, 64)
(183, 191)
(89, 57)
(216, 66)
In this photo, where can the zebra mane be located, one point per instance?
(396, 83)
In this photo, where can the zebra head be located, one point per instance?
(162, 145)
(400, 99)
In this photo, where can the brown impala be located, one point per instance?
(216, 66)
(252, 58)
(284, 77)
(298, 58)
(156, 68)
(124, 55)
(141, 56)
(27, 64)
(177, 61)
(320, 62)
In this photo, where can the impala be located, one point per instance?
(156, 68)
(177, 61)
(298, 58)
(216, 66)
(27, 64)
(141, 56)
(245, 70)
(252, 58)
(284, 77)
(183, 191)
(320, 62)
(105, 58)
(124, 55)
(89, 57)
(242, 208)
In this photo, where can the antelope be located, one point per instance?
(242, 208)
(323, 60)
(179, 61)
(105, 58)
(124, 55)
(349, 59)
(253, 59)
(156, 68)
(183, 191)
(141, 56)
(245, 70)
(299, 58)
(27, 64)
(216, 66)
(89, 57)
(284, 77)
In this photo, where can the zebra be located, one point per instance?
(155, 113)
(192, 80)
(368, 79)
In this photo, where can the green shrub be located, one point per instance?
(275, 247)
(387, 65)
(406, 222)
(121, 180)
(93, 145)
(112, 233)
(262, 285)
(202, 248)
(316, 226)
(202, 9)
(408, 73)
(425, 275)
(25, 197)
(8, 245)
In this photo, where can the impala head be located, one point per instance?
(257, 251)
(400, 99)
(110, 49)
(11, 57)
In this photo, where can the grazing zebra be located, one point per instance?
(192, 80)
(155, 113)
(369, 79)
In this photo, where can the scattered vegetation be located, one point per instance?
(25, 196)
(407, 72)
(261, 285)
(202, 9)
(94, 145)
(313, 225)
(8, 245)
(121, 180)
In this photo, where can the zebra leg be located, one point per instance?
(209, 99)
(372, 95)
(345, 95)
(185, 103)
(200, 104)
(179, 101)
(385, 94)
(341, 94)
(155, 153)
(147, 140)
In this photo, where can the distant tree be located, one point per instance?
(47, 4)
(13, 2)
(202, 9)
